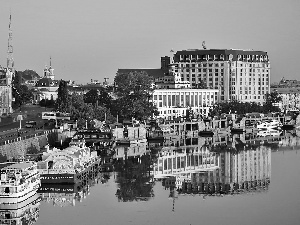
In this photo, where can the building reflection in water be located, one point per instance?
(63, 195)
(215, 166)
(26, 212)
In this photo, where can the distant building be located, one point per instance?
(5, 90)
(284, 83)
(49, 72)
(290, 98)
(242, 75)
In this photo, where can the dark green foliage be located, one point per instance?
(134, 92)
(47, 103)
(52, 138)
(270, 100)
(236, 107)
(20, 92)
(32, 149)
(29, 75)
(98, 97)
(62, 102)
(3, 158)
(84, 112)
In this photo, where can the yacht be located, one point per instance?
(269, 124)
(19, 182)
(70, 165)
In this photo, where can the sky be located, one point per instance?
(92, 39)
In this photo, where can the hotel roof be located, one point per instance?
(151, 72)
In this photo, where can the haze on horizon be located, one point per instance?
(91, 39)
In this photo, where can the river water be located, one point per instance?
(236, 179)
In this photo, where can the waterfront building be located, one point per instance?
(242, 75)
(290, 98)
(173, 103)
(5, 90)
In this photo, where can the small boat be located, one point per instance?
(70, 165)
(19, 182)
(269, 132)
(99, 139)
(269, 124)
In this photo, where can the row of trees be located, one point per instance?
(248, 107)
(130, 98)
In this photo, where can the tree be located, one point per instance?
(270, 102)
(16, 86)
(134, 92)
(20, 92)
(62, 101)
(98, 97)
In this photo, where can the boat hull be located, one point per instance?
(20, 197)
(55, 177)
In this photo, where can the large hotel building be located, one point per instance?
(242, 75)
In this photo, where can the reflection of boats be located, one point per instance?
(63, 194)
(269, 132)
(23, 213)
(70, 165)
(19, 181)
(67, 194)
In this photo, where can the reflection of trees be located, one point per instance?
(133, 178)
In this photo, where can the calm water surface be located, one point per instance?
(224, 195)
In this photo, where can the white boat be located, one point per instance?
(19, 181)
(24, 213)
(70, 165)
(269, 124)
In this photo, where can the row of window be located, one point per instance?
(203, 65)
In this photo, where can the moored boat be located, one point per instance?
(24, 213)
(70, 165)
(19, 182)
(269, 124)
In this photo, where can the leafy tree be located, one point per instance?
(235, 107)
(98, 97)
(20, 92)
(62, 104)
(16, 89)
(3, 158)
(134, 92)
(270, 102)
(84, 112)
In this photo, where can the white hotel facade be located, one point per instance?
(173, 103)
(173, 97)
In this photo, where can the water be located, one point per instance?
(143, 190)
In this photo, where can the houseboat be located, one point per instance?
(19, 182)
(269, 124)
(23, 213)
(70, 165)
(96, 138)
